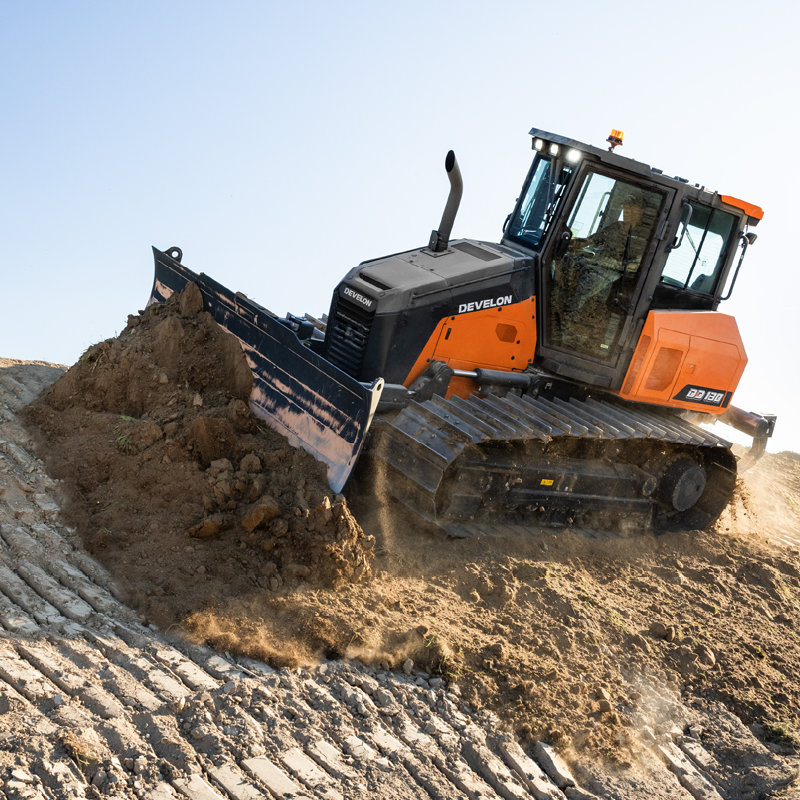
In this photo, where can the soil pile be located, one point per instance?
(174, 485)
(215, 526)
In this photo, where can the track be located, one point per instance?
(548, 461)
(94, 704)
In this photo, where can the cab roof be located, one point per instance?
(753, 212)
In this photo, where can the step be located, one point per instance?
(66, 601)
(14, 619)
(279, 784)
(26, 598)
(307, 772)
(195, 788)
(529, 771)
(75, 682)
(26, 679)
(233, 781)
(494, 771)
(687, 774)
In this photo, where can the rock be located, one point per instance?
(204, 529)
(212, 526)
(167, 337)
(239, 414)
(222, 464)
(685, 659)
(250, 463)
(383, 697)
(658, 630)
(605, 706)
(706, 655)
(408, 665)
(323, 513)
(638, 641)
(190, 300)
(296, 571)
(497, 649)
(266, 510)
(554, 765)
(198, 401)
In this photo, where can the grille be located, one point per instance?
(347, 335)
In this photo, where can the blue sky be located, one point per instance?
(279, 145)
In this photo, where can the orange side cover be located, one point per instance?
(686, 359)
(495, 338)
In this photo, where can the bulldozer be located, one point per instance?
(561, 376)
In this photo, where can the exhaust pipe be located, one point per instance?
(440, 239)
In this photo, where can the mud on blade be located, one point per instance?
(296, 392)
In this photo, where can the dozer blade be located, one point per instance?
(296, 392)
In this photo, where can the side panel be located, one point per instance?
(495, 338)
(296, 392)
(686, 359)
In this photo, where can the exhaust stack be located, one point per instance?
(440, 239)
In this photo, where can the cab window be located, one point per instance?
(545, 188)
(696, 264)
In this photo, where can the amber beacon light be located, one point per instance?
(614, 139)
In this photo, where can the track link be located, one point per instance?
(460, 463)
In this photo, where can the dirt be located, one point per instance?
(175, 486)
(553, 630)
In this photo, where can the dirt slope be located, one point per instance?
(172, 483)
(165, 473)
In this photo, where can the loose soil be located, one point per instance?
(217, 529)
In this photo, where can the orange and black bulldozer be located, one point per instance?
(559, 376)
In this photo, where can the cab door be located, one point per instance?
(592, 272)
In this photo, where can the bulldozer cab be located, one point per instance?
(613, 239)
